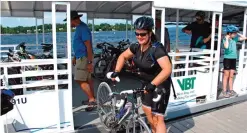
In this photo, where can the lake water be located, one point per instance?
(101, 36)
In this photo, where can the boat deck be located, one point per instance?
(224, 120)
(231, 119)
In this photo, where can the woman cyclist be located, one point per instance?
(160, 70)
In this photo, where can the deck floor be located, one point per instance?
(82, 118)
(231, 119)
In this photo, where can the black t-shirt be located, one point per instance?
(198, 30)
(143, 60)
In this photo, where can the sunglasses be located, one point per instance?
(141, 34)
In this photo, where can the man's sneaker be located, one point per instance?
(233, 93)
(225, 94)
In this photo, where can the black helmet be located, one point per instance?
(144, 23)
(201, 14)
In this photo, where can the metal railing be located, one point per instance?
(62, 51)
(191, 61)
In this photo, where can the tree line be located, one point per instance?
(61, 28)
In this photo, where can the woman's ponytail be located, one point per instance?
(153, 37)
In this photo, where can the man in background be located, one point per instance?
(158, 34)
(199, 29)
(83, 57)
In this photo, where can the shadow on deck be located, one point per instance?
(83, 119)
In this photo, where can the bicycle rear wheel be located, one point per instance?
(106, 106)
(137, 126)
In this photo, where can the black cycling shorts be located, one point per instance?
(229, 64)
(159, 107)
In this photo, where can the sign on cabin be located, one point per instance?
(187, 83)
(188, 88)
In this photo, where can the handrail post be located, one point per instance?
(54, 40)
(187, 65)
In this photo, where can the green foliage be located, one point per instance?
(61, 28)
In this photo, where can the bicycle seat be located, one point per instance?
(46, 44)
(114, 50)
(123, 44)
(22, 44)
(99, 46)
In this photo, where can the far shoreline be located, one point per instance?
(7, 34)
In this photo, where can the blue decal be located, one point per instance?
(40, 128)
(180, 102)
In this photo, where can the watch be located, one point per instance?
(89, 62)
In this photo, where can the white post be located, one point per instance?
(211, 94)
(187, 59)
(153, 14)
(242, 54)
(69, 53)
(213, 33)
(219, 38)
(177, 30)
(162, 26)
(43, 29)
(55, 58)
(126, 33)
(240, 69)
(93, 31)
(2, 124)
(36, 23)
(244, 27)
(215, 79)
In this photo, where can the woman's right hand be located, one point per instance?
(114, 75)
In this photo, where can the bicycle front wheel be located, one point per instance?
(137, 126)
(106, 106)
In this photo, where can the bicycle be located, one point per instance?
(108, 59)
(124, 114)
(12, 57)
(101, 65)
(17, 56)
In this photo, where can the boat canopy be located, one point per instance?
(122, 9)
(94, 9)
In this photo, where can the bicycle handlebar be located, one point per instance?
(128, 92)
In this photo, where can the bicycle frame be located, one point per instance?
(135, 106)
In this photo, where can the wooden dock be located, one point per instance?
(230, 119)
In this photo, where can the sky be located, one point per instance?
(15, 21)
